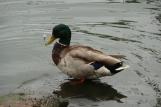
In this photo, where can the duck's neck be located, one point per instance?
(56, 52)
(65, 41)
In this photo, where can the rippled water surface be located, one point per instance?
(128, 27)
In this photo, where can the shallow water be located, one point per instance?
(128, 27)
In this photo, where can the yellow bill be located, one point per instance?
(50, 40)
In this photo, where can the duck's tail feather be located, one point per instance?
(113, 68)
(122, 68)
(116, 68)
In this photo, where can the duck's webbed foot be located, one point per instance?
(78, 81)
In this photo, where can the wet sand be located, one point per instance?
(128, 27)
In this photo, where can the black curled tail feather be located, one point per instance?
(113, 68)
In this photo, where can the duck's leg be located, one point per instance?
(82, 80)
(78, 81)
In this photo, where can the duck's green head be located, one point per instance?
(61, 32)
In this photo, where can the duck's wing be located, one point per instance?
(117, 56)
(92, 55)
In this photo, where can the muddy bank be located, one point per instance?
(22, 100)
(91, 90)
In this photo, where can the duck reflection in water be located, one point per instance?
(91, 89)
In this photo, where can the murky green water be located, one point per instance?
(128, 27)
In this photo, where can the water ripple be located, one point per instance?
(107, 36)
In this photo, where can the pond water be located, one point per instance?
(128, 27)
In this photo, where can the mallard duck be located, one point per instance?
(78, 61)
